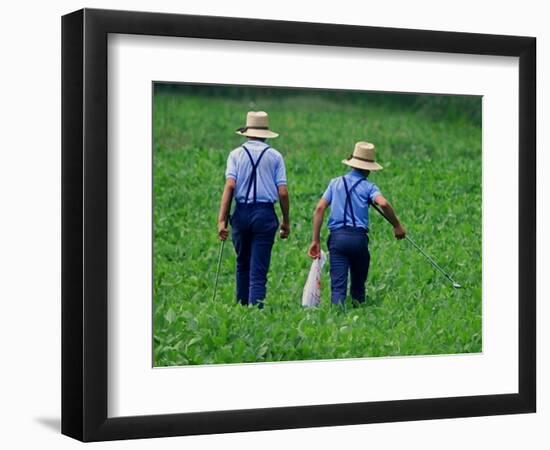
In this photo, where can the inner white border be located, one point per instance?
(135, 388)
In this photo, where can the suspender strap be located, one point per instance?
(348, 201)
(253, 174)
(346, 204)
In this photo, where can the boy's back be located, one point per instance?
(270, 173)
(362, 193)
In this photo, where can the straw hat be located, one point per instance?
(363, 157)
(257, 125)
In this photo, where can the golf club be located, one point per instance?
(219, 263)
(428, 257)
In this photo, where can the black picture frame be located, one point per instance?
(84, 224)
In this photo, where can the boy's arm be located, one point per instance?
(225, 206)
(398, 229)
(284, 201)
(318, 216)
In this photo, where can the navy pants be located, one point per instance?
(348, 252)
(254, 226)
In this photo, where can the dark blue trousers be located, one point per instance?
(348, 252)
(254, 226)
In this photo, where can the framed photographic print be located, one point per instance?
(273, 224)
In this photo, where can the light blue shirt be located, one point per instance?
(362, 195)
(270, 174)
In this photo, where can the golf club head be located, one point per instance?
(456, 285)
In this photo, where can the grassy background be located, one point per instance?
(430, 147)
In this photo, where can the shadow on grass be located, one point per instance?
(373, 300)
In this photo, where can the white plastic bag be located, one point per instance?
(312, 289)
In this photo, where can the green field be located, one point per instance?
(430, 148)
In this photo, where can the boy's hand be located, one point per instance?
(399, 232)
(314, 250)
(285, 230)
(223, 233)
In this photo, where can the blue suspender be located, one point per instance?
(348, 201)
(253, 175)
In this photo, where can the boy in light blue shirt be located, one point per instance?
(349, 198)
(256, 178)
(270, 172)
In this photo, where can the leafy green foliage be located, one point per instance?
(432, 176)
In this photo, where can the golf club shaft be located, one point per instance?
(226, 222)
(415, 245)
(218, 270)
(430, 259)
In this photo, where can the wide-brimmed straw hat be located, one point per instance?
(257, 125)
(363, 157)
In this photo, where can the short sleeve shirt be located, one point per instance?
(270, 174)
(363, 193)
